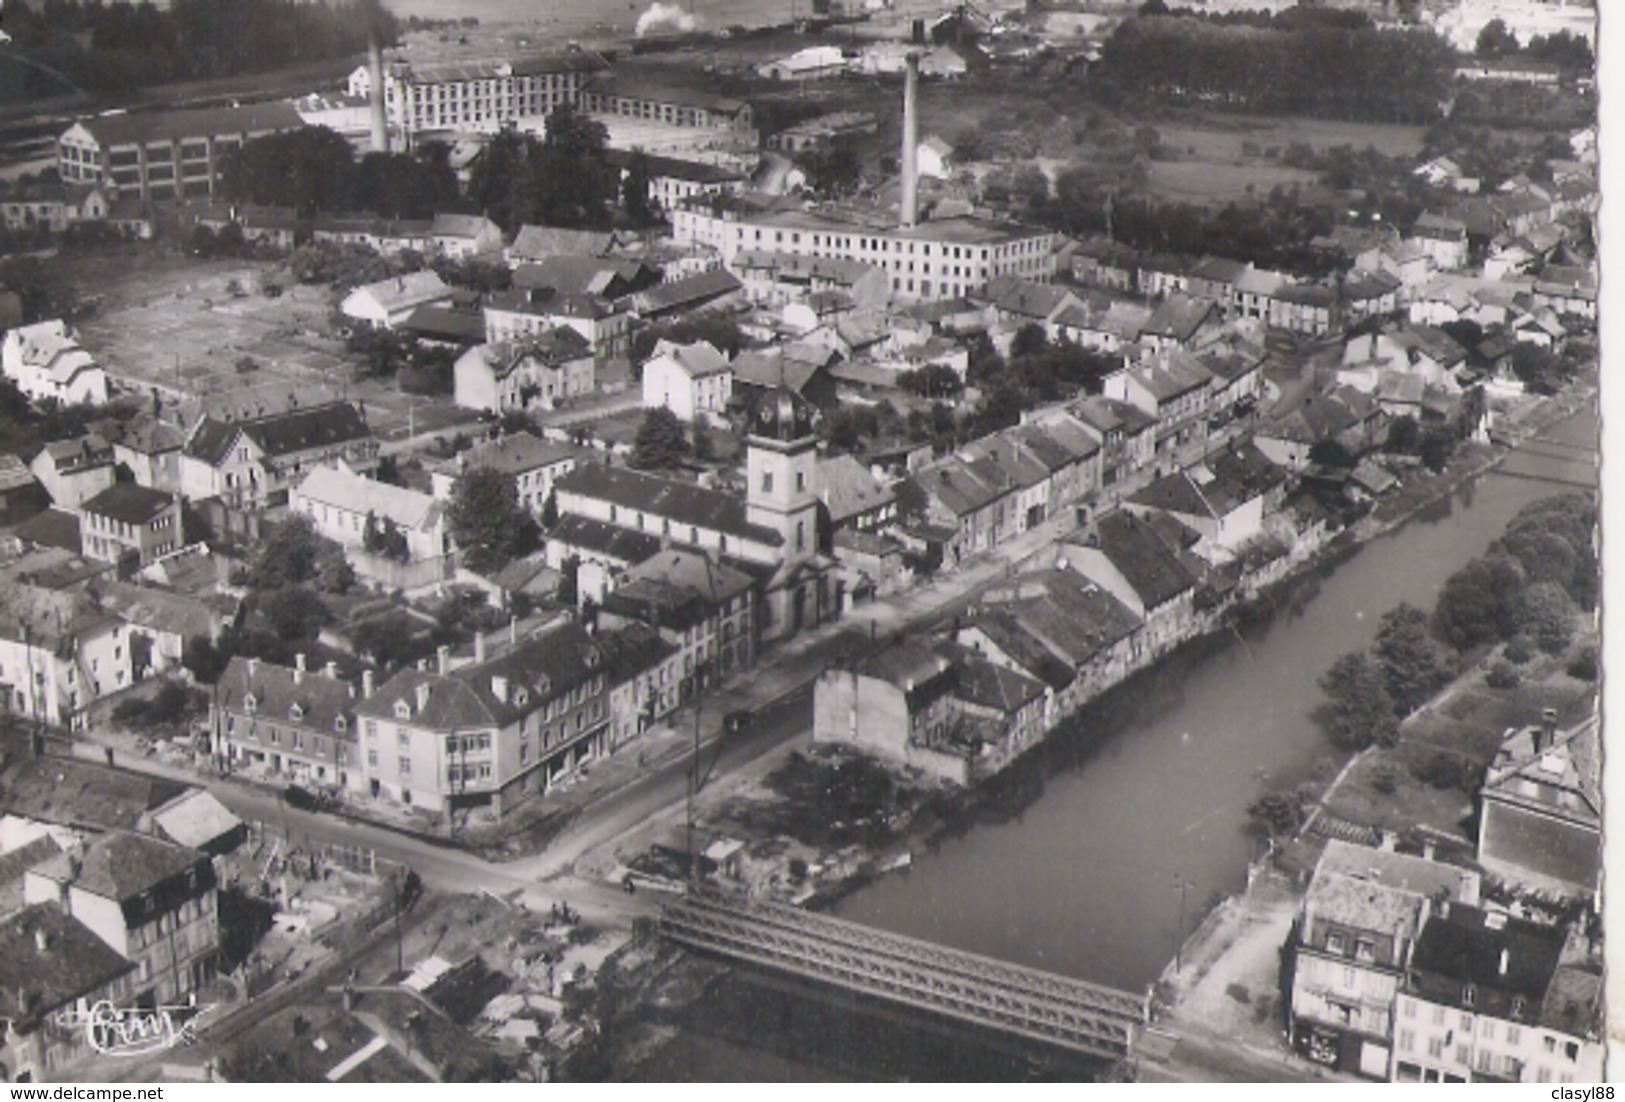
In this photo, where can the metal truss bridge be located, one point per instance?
(1025, 1002)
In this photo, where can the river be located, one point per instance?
(1085, 876)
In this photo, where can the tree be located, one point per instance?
(288, 554)
(203, 659)
(1275, 814)
(1359, 710)
(1545, 613)
(385, 539)
(700, 440)
(486, 519)
(550, 510)
(1411, 665)
(660, 443)
(569, 576)
(1403, 435)
(1437, 446)
(635, 191)
(1330, 453)
(1476, 604)
(1029, 340)
(1495, 40)
(310, 169)
(294, 613)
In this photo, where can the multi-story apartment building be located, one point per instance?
(518, 314)
(644, 674)
(340, 502)
(937, 259)
(492, 733)
(151, 901)
(483, 96)
(165, 154)
(1489, 998)
(254, 463)
(534, 463)
(58, 652)
(1352, 945)
(128, 523)
(666, 105)
(691, 380)
(707, 610)
(540, 368)
(294, 722)
(53, 970)
(73, 471)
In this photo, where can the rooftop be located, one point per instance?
(682, 502)
(158, 126)
(130, 503)
(54, 958)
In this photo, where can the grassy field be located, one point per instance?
(1467, 721)
(1212, 182)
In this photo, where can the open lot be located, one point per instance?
(200, 329)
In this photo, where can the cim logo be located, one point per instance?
(136, 1031)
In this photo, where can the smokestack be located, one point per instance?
(366, 684)
(298, 668)
(375, 73)
(442, 656)
(909, 207)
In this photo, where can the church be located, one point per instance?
(775, 533)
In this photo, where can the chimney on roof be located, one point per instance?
(1390, 842)
(442, 658)
(1546, 733)
(253, 667)
(1506, 959)
(366, 684)
(423, 695)
(1429, 847)
(499, 687)
(298, 668)
(42, 940)
(479, 646)
(332, 670)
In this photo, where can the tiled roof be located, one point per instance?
(544, 665)
(281, 433)
(990, 686)
(147, 435)
(321, 701)
(130, 503)
(75, 963)
(622, 544)
(157, 609)
(631, 649)
(1024, 298)
(1563, 780)
(123, 865)
(51, 528)
(675, 168)
(461, 225)
(847, 489)
(14, 473)
(692, 291)
(447, 72)
(342, 488)
(678, 589)
(961, 489)
(698, 360)
(682, 502)
(520, 452)
(403, 291)
(1150, 567)
(446, 323)
(614, 84)
(1470, 946)
(156, 126)
(86, 794)
(542, 302)
(539, 242)
(770, 367)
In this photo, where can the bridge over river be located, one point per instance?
(1040, 1006)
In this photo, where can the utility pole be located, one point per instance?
(1179, 945)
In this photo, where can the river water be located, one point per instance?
(1083, 877)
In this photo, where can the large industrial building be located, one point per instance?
(165, 154)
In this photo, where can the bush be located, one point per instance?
(1503, 675)
(1584, 663)
(1385, 778)
(1446, 770)
(1519, 649)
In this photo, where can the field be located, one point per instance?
(200, 329)
(1211, 182)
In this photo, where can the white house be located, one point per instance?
(46, 362)
(387, 303)
(688, 379)
(934, 158)
(544, 369)
(339, 502)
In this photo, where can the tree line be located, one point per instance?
(315, 170)
(1311, 67)
(115, 48)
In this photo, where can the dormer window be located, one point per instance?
(403, 710)
(1334, 941)
(521, 696)
(340, 724)
(592, 658)
(296, 712)
(1469, 995)
(250, 703)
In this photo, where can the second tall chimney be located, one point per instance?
(909, 206)
(375, 74)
